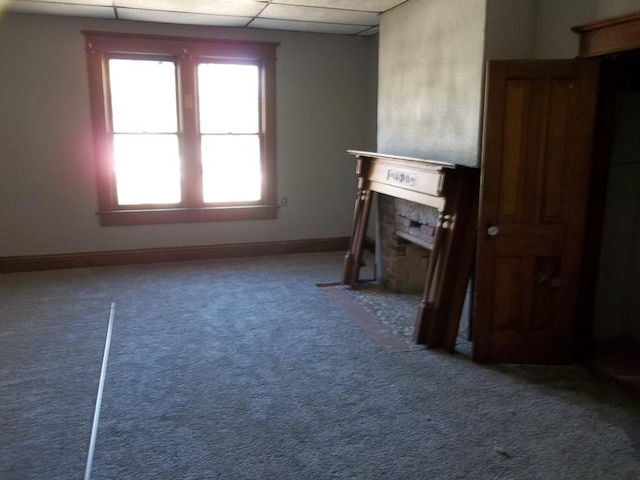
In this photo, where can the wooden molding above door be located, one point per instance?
(618, 34)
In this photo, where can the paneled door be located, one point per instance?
(536, 157)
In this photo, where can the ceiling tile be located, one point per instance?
(351, 17)
(320, 15)
(68, 9)
(361, 5)
(306, 26)
(182, 18)
(245, 8)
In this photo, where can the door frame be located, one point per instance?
(609, 39)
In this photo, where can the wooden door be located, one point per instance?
(536, 156)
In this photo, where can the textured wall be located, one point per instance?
(614, 8)
(554, 19)
(430, 79)
(47, 186)
(510, 29)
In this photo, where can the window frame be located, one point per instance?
(187, 53)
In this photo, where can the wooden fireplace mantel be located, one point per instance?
(453, 191)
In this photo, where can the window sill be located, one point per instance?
(110, 218)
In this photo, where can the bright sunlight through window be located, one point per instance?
(229, 124)
(145, 141)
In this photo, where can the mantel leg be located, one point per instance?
(448, 275)
(425, 315)
(353, 257)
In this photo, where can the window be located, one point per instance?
(184, 129)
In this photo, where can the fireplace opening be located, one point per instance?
(406, 233)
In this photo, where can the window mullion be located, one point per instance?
(189, 132)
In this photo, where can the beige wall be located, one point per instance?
(430, 79)
(510, 29)
(47, 186)
(614, 8)
(554, 38)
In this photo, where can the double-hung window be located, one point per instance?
(184, 129)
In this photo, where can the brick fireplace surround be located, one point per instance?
(405, 233)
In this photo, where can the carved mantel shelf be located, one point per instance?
(614, 35)
(451, 189)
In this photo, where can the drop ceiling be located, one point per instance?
(349, 17)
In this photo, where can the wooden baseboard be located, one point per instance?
(173, 254)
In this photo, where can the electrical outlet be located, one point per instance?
(284, 202)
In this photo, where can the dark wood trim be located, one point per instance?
(609, 36)
(208, 47)
(186, 215)
(172, 254)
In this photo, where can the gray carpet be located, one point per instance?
(245, 369)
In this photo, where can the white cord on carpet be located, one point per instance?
(96, 414)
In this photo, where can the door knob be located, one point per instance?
(493, 230)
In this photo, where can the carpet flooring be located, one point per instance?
(246, 369)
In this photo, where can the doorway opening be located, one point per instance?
(613, 346)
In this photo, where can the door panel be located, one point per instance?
(507, 296)
(510, 207)
(538, 131)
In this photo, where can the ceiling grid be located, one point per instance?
(348, 17)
